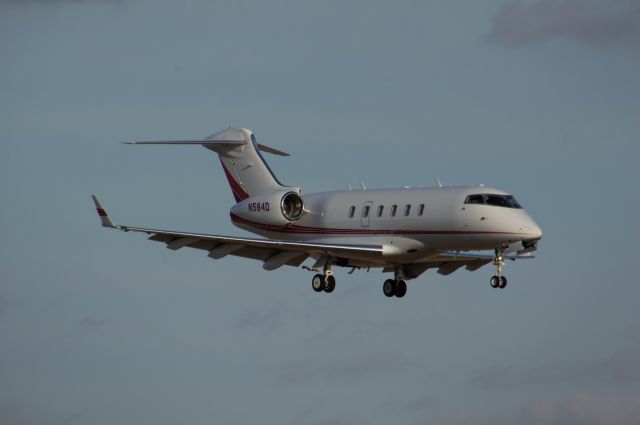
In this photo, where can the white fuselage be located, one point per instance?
(426, 221)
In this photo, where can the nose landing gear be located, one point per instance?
(498, 281)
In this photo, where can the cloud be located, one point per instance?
(422, 403)
(348, 370)
(17, 414)
(52, 2)
(89, 322)
(579, 409)
(596, 24)
(267, 318)
(4, 304)
(619, 369)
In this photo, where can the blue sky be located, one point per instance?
(540, 98)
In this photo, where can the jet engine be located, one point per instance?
(276, 208)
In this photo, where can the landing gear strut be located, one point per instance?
(498, 281)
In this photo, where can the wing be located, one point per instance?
(449, 261)
(273, 253)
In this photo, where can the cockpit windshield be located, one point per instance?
(506, 201)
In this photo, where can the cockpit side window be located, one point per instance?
(496, 200)
(474, 199)
(505, 201)
(513, 203)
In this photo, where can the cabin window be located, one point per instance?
(421, 209)
(365, 211)
(352, 211)
(394, 208)
(407, 210)
(380, 210)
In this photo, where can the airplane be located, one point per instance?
(402, 231)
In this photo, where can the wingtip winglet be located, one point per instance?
(102, 213)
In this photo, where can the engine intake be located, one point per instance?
(292, 206)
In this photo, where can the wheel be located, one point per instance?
(495, 281)
(317, 283)
(401, 288)
(329, 284)
(503, 282)
(389, 287)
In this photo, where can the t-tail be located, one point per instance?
(245, 168)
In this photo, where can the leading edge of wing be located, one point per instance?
(465, 256)
(262, 243)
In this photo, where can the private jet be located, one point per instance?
(404, 231)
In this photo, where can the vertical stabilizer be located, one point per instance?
(245, 168)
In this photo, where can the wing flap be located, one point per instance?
(273, 253)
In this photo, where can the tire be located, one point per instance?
(329, 284)
(494, 281)
(389, 287)
(503, 282)
(401, 288)
(317, 283)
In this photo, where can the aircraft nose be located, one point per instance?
(532, 230)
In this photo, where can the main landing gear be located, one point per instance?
(326, 283)
(498, 281)
(395, 287)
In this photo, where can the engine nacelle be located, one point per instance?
(277, 208)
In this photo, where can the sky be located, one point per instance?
(540, 98)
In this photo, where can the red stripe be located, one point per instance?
(335, 231)
(238, 192)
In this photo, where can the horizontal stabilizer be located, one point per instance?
(207, 143)
(188, 142)
(265, 148)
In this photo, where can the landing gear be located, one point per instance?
(498, 281)
(329, 284)
(396, 287)
(389, 287)
(494, 281)
(325, 281)
(317, 283)
(503, 282)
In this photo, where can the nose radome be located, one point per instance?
(536, 233)
(532, 230)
